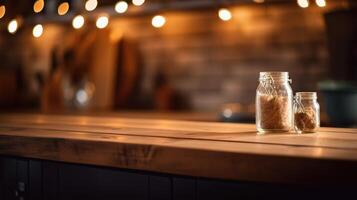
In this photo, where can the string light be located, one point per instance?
(321, 3)
(102, 22)
(91, 5)
(2, 11)
(138, 2)
(13, 26)
(38, 6)
(259, 1)
(121, 7)
(37, 31)
(158, 21)
(224, 14)
(78, 22)
(303, 3)
(63, 8)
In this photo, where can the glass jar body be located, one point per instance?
(306, 115)
(274, 106)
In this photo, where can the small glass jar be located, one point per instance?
(306, 112)
(274, 103)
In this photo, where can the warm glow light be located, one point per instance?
(91, 5)
(259, 1)
(158, 21)
(38, 6)
(102, 22)
(121, 7)
(63, 8)
(224, 14)
(2, 11)
(138, 2)
(227, 113)
(12, 27)
(321, 3)
(37, 31)
(82, 96)
(78, 22)
(303, 3)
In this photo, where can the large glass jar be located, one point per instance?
(306, 112)
(274, 102)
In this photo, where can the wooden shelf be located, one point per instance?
(200, 149)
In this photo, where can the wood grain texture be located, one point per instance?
(212, 150)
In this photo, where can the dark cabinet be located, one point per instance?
(46, 180)
(50, 180)
(23, 179)
(212, 189)
(7, 178)
(233, 190)
(20, 179)
(160, 187)
(92, 183)
(184, 188)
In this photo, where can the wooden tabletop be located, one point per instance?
(201, 149)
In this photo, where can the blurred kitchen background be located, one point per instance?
(180, 59)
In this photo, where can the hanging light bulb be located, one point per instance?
(78, 22)
(37, 31)
(224, 14)
(321, 3)
(138, 2)
(102, 22)
(2, 11)
(121, 7)
(63, 8)
(38, 6)
(303, 3)
(91, 5)
(13, 26)
(158, 21)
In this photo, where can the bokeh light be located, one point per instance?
(12, 26)
(91, 5)
(224, 14)
(121, 7)
(321, 3)
(158, 21)
(102, 22)
(303, 3)
(78, 22)
(38, 6)
(2, 11)
(63, 8)
(138, 2)
(37, 31)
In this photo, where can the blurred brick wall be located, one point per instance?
(210, 61)
(216, 62)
